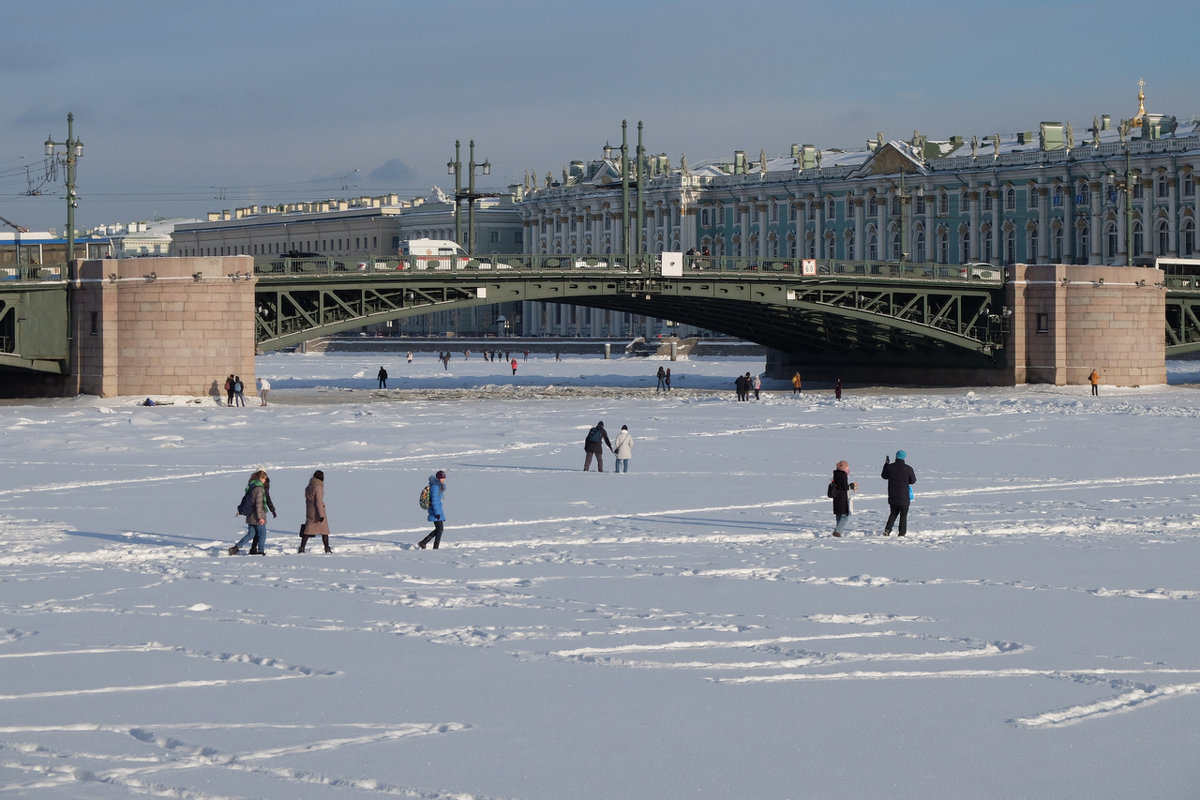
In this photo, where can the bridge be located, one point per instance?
(856, 310)
(880, 318)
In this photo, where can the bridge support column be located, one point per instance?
(1069, 320)
(155, 326)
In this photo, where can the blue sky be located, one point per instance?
(182, 104)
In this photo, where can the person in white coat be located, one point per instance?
(623, 449)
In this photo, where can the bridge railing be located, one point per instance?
(32, 272)
(648, 265)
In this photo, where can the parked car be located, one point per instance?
(981, 270)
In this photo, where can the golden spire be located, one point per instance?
(1136, 122)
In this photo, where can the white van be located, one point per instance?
(433, 253)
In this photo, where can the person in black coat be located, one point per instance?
(596, 437)
(900, 477)
(840, 489)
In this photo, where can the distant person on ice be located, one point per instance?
(315, 523)
(437, 514)
(596, 437)
(513, 364)
(662, 380)
(1094, 379)
(840, 488)
(382, 376)
(900, 478)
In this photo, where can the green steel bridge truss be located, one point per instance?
(861, 312)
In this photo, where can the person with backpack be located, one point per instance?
(840, 488)
(437, 513)
(592, 446)
(315, 523)
(238, 389)
(229, 391)
(251, 507)
(900, 477)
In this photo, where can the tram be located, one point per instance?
(40, 256)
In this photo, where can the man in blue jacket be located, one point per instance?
(437, 515)
(900, 477)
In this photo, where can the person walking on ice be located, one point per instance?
(1094, 379)
(900, 478)
(596, 437)
(382, 377)
(253, 500)
(840, 488)
(437, 514)
(622, 449)
(315, 522)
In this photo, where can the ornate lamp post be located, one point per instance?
(1126, 186)
(455, 168)
(73, 148)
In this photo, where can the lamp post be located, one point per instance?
(905, 221)
(1127, 187)
(455, 168)
(73, 148)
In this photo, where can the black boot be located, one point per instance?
(233, 551)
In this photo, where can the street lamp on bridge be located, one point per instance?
(1126, 186)
(455, 168)
(73, 149)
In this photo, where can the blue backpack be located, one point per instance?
(595, 434)
(246, 507)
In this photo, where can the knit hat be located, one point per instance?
(900, 454)
(441, 475)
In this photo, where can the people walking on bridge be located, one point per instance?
(315, 521)
(239, 391)
(662, 380)
(900, 477)
(264, 389)
(229, 391)
(437, 512)
(840, 488)
(382, 376)
(1094, 379)
(596, 437)
(623, 449)
(796, 385)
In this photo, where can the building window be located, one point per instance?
(987, 200)
(1085, 194)
(1189, 184)
(1043, 323)
(1033, 245)
(1010, 199)
(832, 210)
(494, 237)
(705, 218)
(1189, 238)
(943, 203)
(1163, 187)
(964, 200)
(95, 323)
(1035, 197)
(920, 204)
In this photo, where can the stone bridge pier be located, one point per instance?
(1070, 319)
(162, 326)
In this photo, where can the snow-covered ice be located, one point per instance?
(686, 630)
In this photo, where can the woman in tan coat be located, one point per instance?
(315, 522)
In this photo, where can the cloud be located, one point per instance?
(392, 172)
